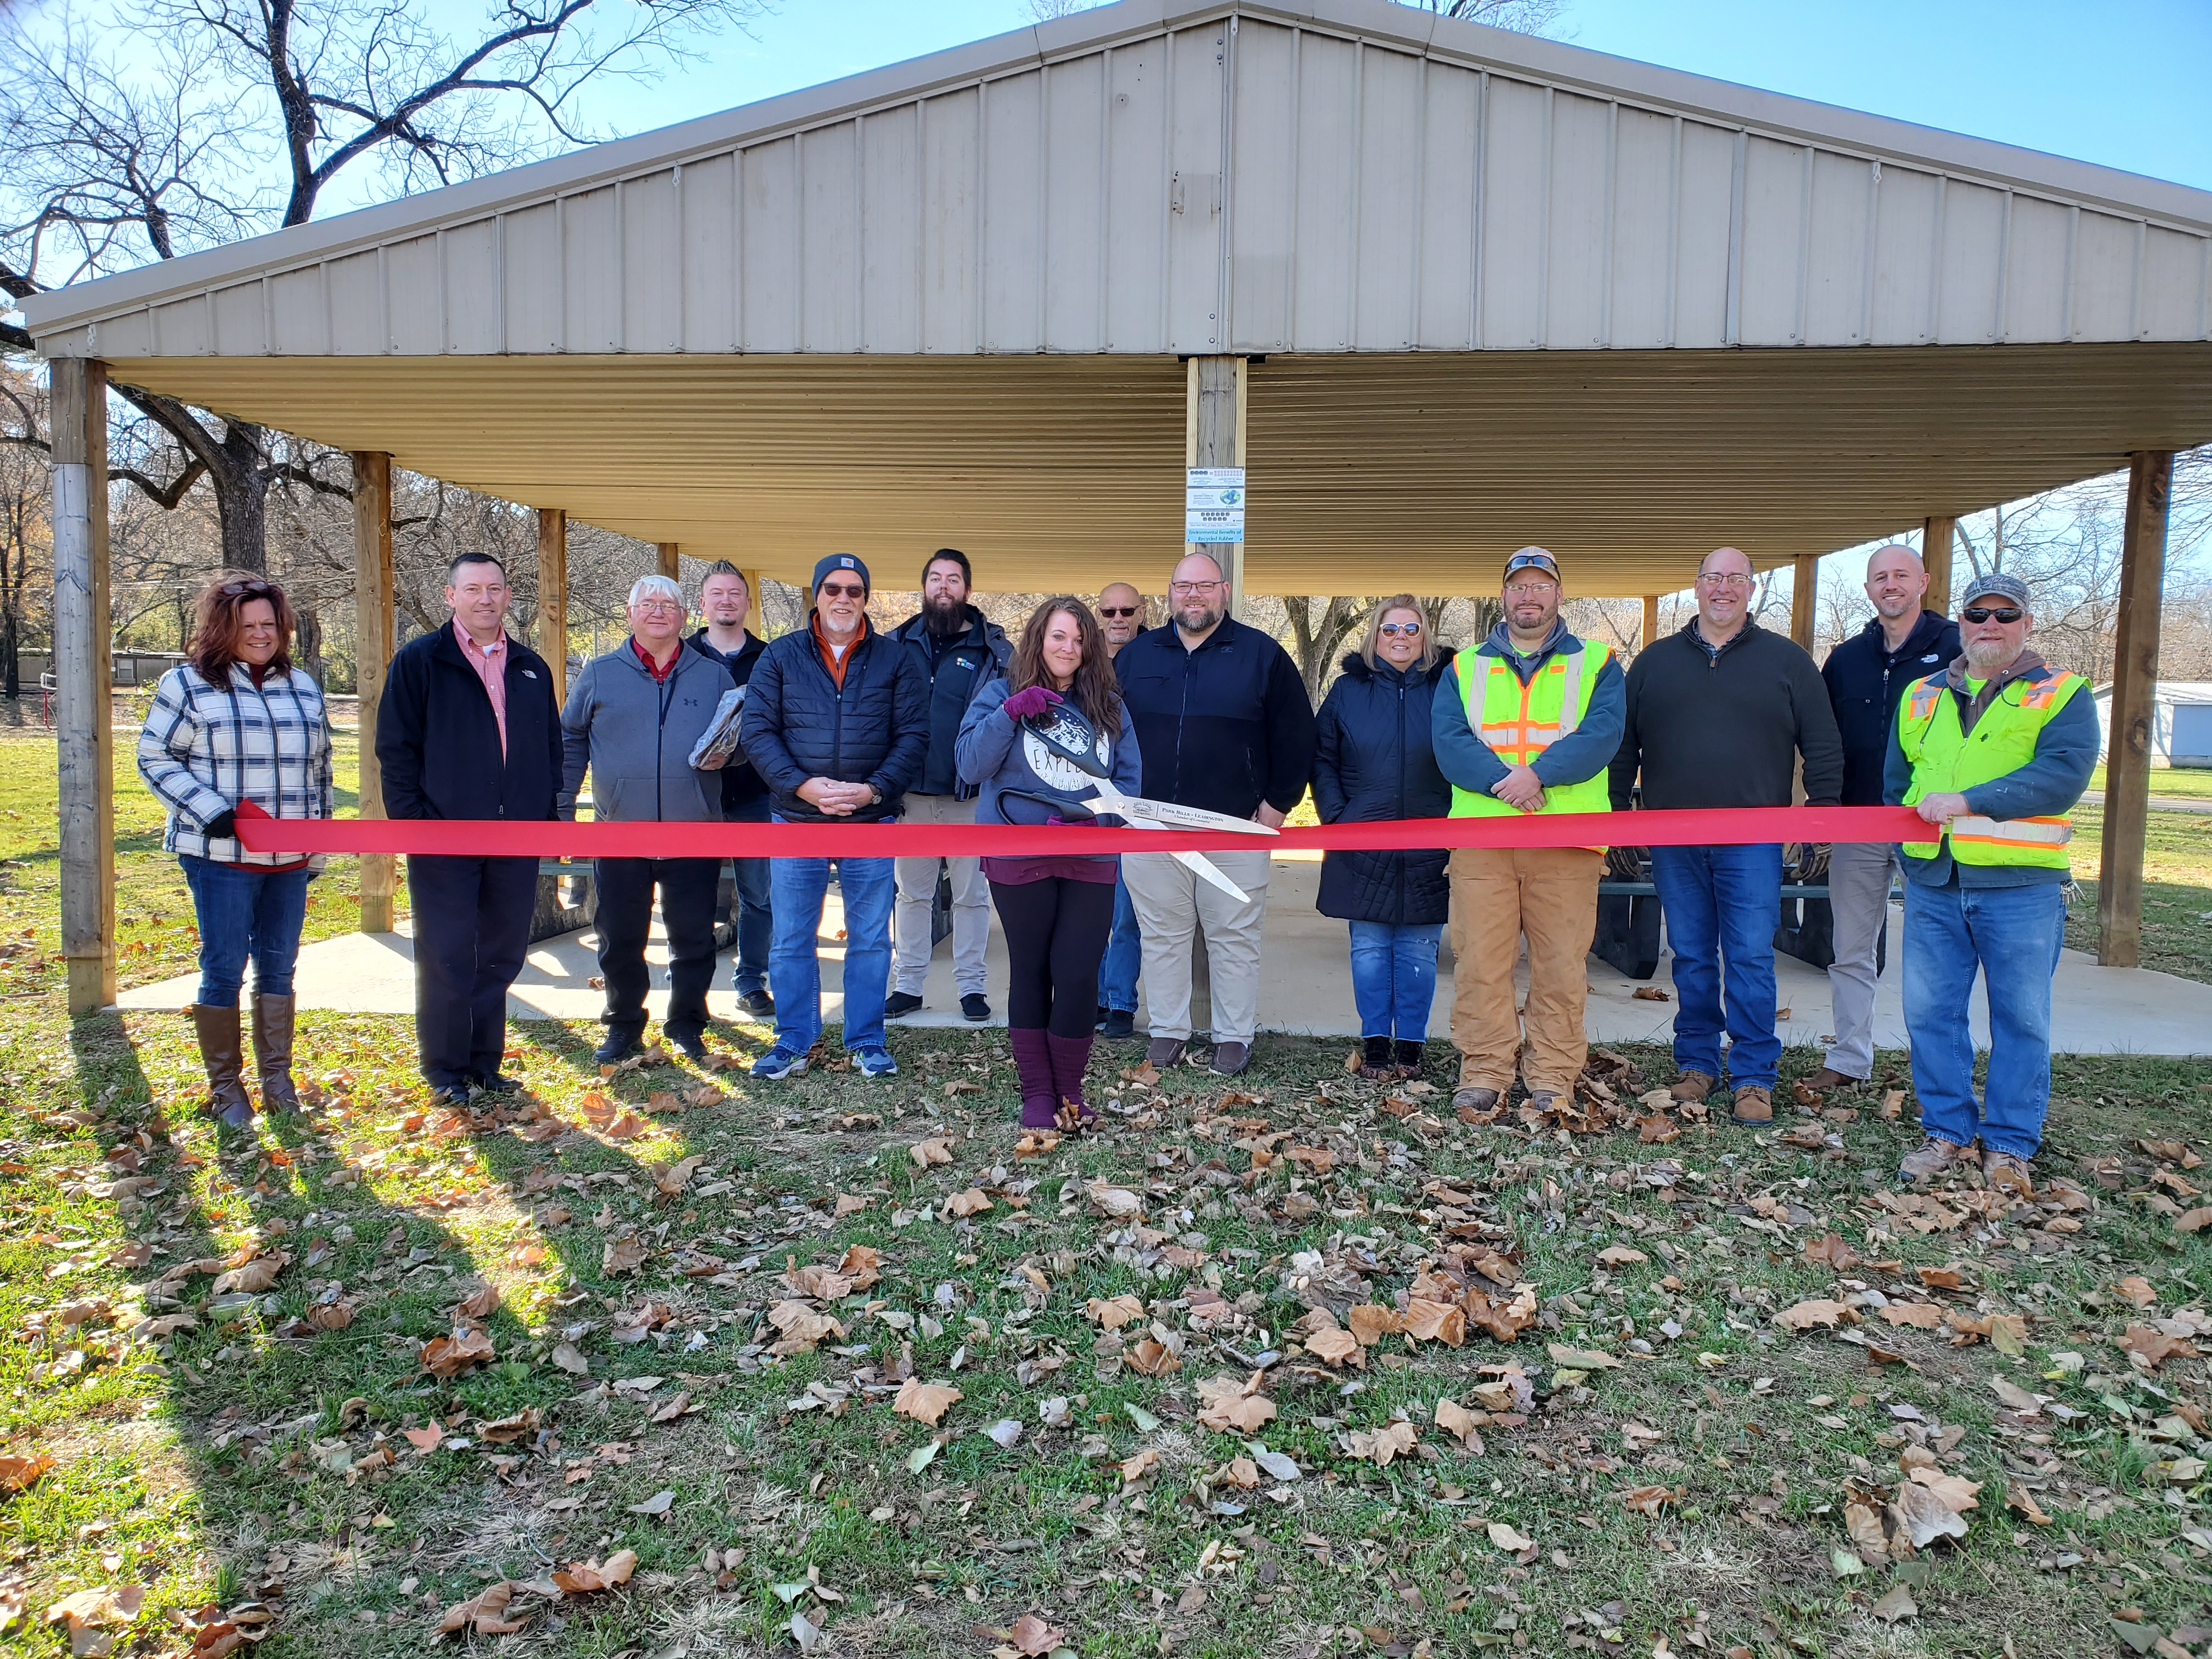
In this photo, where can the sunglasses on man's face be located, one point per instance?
(1117, 609)
(841, 591)
(1981, 613)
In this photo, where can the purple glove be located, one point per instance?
(1031, 699)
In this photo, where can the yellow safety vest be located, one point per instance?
(1519, 722)
(1946, 759)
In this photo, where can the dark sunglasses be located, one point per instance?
(841, 591)
(246, 590)
(1117, 609)
(1981, 613)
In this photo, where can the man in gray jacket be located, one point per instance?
(633, 718)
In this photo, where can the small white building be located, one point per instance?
(2181, 725)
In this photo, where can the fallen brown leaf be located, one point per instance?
(1455, 1420)
(1380, 1446)
(1651, 993)
(1620, 1256)
(485, 1612)
(1921, 1316)
(623, 1255)
(1948, 1277)
(22, 1473)
(1116, 1311)
(1231, 1407)
(1819, 1310)
(926, 1152)
(925, 1402)
(970, 1202)
(449, 1356)
(479, 1303)
(1370, 1322)
(1153, 1358)
(1032, 1638)
(586, 1578)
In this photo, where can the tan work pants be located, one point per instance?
(1548, 894)
(1170, 903)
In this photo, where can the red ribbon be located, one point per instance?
(491, 837)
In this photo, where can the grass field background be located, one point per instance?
(1679, 1453)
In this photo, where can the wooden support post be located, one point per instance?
(2135, 684)
(373, 634)
(1936, 536)
(1804, 590)
(83, 720)
(1213, 435)
(553, 596)
(1650, 622)
(670, 561)
(755, 617)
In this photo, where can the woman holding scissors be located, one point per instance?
(1037, 744)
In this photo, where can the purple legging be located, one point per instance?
(1056, 933)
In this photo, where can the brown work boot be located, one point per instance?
(1935, 1156)
(272, 1053)
(1693, 1085)
(1164, 1053)
(1754, 1106)
(2006, 1174)
(1828, 1079)
(217, 1032)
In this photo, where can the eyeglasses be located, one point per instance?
(1981, 613)
(1529, 590)
(1723, 579)
(1117, 609)
(841, 590)
(1193, 587)
(1400, 628)
(652, 607)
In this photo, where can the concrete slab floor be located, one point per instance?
(1305, 987)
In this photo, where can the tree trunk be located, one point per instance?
(241, 499)
(309, 656)
(11, 676)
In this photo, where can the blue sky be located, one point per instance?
(2121, 84)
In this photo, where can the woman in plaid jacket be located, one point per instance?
(237, 722)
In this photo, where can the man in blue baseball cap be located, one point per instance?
(836, 723)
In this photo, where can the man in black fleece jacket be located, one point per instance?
(1223, 723)
(1719, 716)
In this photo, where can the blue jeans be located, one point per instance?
(2011, 935)
(1394, 977)
(756, 924)
(245, 910)
(798, 887)
(1117, 968)
(1723, 905)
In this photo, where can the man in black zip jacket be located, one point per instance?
(957, 650)
(726, 600)
(1223, 723)
(466, 728)
(632, 719)
(836, 723)
(1719, 715)
(1867, 677)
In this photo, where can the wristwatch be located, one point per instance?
(875, 795)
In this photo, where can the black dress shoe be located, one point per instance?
(900, 1002)
(757, 1004)
(975, 1008)
(1119, 1022)
(454, 1094)
(617, 1046)
(498, 1084)
(690, 1044)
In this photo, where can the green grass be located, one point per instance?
(2193, 781)
(2177, 927)
(238, 1462)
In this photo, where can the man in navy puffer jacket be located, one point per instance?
(836, 723)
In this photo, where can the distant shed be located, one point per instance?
(2181, 725)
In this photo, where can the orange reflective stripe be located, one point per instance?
(2012, 832)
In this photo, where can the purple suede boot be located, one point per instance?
(1033, 1068)
(1071, 1056)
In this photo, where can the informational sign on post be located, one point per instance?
(1213, 504)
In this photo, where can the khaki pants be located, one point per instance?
(1498, 894)
(917, 890)
(1170, 901)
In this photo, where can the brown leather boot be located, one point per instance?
(1753, 1106)
(272, 1051)
(217, 1032)
(1692, 1084)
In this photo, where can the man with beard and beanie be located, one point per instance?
(1223, 723)
(1528, 721)
(1721, 714)
(957, 650)
(1866, 676)
(836, 722)
(633, 718)
(467, 728)
(724, 601)
(1993, 752)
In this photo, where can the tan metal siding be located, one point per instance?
(708, 248)
(2172, 287)
(1444, 256)
(1906, 229)
(1972, 271)
(1775, 229)
(1387, 186)
(1013, 214)
(652, 238)
(2035, 278)
(473, 297)
(1643, 231)
(1836, 249)
(1515, 149)
(768, 255)
(2105, 249)
(1264, 216)
(1577, 265)
(1706, 187)
(1136, 199)
(1197, 123)
(1076, 157)
(951, 222)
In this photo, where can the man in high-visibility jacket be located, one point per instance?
(1995, 750)
(1526, 722)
